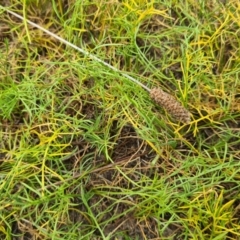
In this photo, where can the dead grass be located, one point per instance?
(85, 154)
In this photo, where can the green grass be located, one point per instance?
(86, 154)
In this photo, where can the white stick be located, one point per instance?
(78, 49)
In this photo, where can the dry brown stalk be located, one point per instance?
(170, 104)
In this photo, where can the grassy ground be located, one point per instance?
(86, 154)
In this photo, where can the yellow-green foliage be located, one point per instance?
(86, 154)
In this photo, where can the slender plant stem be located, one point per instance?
(86, 53)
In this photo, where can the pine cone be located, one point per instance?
(170, 104)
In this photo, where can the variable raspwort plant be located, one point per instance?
(83, 152)
(165, 100)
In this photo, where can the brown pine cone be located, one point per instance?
(170, 104)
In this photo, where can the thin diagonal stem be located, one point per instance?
(86, 53)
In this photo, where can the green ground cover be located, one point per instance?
(86, 154)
